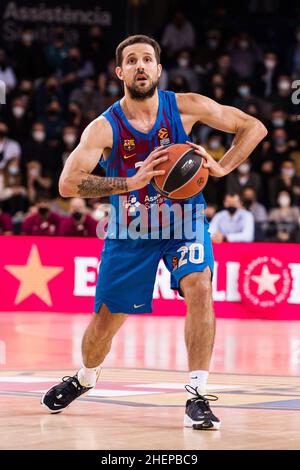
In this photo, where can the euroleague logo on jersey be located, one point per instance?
(163, 135)
(264, 282)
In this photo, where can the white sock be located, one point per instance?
(198, 378)
(88, 376)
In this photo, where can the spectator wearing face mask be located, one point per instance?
(9, 148)
(224, 68)
(96, 48)
(89, 99)
(57, 49)
(184, 68)
(19, 121)
(282, 96)
(234, 223)
(74, 70)
(249, 198)
(13, 193)
(107, 74)
(241, 177)
(266, 75)
(48, 91)
(287, 181)
(112, 93)
(284, 220)
(26, 92)
(210, 51)
(245, 97)
(245, 55)
(43, 222)
(69, 140)
(79, 223)
(37, 148)
(278, 150)
(53, 122)
(279, 120)
(28, 56)
(75, 117)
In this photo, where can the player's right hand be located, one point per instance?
(147, 169)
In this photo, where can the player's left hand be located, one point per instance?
(210, 163)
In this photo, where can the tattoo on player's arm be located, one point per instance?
(95, 186)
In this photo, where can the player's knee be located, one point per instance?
(197, 286)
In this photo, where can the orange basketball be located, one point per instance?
(184, 175)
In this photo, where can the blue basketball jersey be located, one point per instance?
(131, 146)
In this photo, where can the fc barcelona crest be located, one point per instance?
(129, 144)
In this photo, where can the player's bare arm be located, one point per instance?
(97, 139)
(248, 130)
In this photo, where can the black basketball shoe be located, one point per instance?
(61, 395)
(198, 414)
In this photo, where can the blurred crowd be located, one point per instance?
(55, 89)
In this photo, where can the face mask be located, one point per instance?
(231, 209)
(113, 90)
(270, 64)
(244, 168)
(3, 134)
(183, 62)
(248, 203)
(25, 91)
(288, 172)
(244, 90)
(27, 38)
(244, 44)
(280, 140)
(278, 122)
(13, 170)
(214, 144)
(72, 114)
(69, 139)
(53, 113)
(87, 89)
(52, 88)
(38, 136)
(212, 43)
(43, 211)
(77, 216)
(18, 111)
(284, 201)
(284, 85)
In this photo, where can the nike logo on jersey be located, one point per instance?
(138, 306)
(129, 156)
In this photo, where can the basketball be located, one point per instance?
(184, 175)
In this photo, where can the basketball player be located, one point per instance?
(132, 131)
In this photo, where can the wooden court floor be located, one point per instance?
(139, 401)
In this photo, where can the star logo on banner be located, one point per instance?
(266, 281)
(34, 277)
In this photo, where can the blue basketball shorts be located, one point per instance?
(128, 269)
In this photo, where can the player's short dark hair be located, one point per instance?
(137, 39)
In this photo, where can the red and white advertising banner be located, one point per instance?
(251, 280)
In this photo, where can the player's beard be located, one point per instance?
(141, 94)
